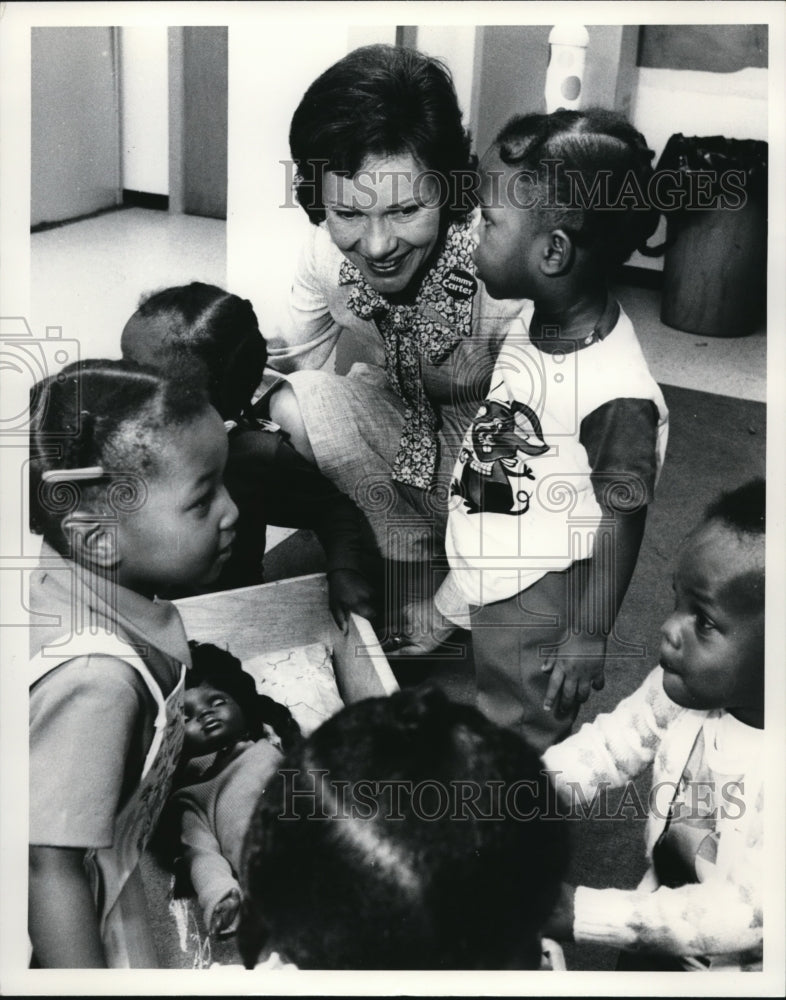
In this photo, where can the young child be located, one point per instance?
(239, 736)
(201, 332)
(698, 718)
(552, 485)
(406, 832)
(126, 487)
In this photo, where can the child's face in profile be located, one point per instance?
(712, 646)
(183, 532)
(506, 237)
(213, 720)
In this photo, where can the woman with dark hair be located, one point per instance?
(384, 173)
(406, 832)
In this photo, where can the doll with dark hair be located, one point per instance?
(202, 334)
(406, 832)
(126, 486)
(233, 742)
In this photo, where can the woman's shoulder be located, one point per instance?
(320, 254)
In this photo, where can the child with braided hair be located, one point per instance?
(126, 486)
(202, 334)
(558, 466)
(406, 832)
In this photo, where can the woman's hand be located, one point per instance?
(576, 667)
(226, 913)
(349, 591)
(423, 629)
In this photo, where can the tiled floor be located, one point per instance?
(88, 277)
(728, 366)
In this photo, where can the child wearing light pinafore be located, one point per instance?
(127, 490)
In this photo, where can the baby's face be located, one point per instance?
(712, 645)
(213, 720)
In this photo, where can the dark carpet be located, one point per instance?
(715, 443)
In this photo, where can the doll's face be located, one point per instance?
(213, 720)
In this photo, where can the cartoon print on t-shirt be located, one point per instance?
(502, 436)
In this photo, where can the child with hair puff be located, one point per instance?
(698, 719)
(126, 486)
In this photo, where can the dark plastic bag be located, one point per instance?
(713, 193)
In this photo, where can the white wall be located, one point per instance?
(144, 103)
(731, 104)
(455, 46)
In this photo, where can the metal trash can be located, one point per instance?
(713, 192)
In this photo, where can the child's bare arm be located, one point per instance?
(63, 922)
(598, 588)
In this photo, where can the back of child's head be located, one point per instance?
(742, 512)
(406, 832)
(592, 171)
(111, 417)
(220, 669)
(200, 331)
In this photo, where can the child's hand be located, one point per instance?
(226, 913)
(576, 668)
(423, 629)
(560, 924)
(349, 591)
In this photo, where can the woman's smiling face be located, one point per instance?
(385, 219)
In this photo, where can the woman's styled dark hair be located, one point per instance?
(220, 669)
(112, 415)
(406, 832)
(592, 170)
(199, 331)
(381, 100)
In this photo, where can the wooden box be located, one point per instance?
(291, 613)
(248, 622)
